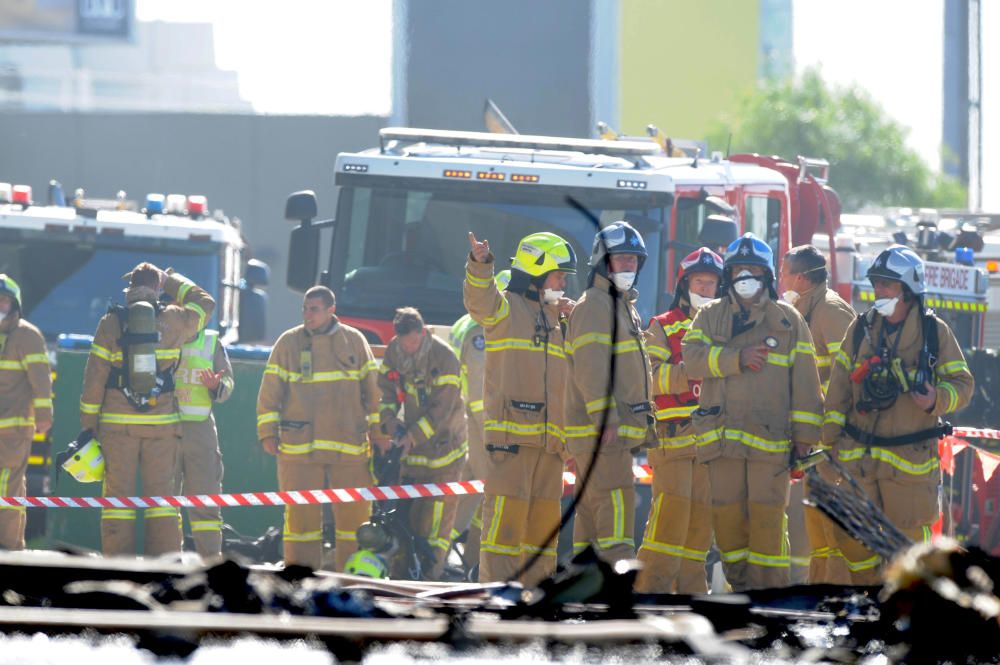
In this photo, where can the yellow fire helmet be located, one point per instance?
(86, 464)
(540, 253)
(502, 279)
(9, 287)
(367, 564)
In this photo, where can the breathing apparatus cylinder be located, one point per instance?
(142, 354)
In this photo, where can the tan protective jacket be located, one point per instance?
(526, 367)
(25, 379)
(469, 343)
(319, 395)
(828, 316)
(754, 415)
(952, 379)
(596, 400)
(433, 409)
(108, 407)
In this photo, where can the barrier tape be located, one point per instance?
(642, 473)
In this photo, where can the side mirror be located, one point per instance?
(253, 315)
(301, 206)
(303, 257)
(718, 231)
(257, 273)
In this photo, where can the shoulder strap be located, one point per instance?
(859, 334)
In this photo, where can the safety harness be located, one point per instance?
(118, 378)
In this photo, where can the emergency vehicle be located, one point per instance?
(404, 208)
(69, 258)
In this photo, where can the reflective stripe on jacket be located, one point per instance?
(525, 362)
(25, 379)
(468, 341)
(745, 413)
(319, 395)
(203, 353)
(827, 316)
(674, 395)
(595, 399)
(183, 319)
(952, 379)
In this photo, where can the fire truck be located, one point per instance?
(69, 258)
(404, 209)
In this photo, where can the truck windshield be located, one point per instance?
(67, 287)
(408, 246)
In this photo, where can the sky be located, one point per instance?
(892, 48)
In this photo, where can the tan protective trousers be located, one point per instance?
(433, 518)
(200, 472)
(910, 501)
(303, 533)
(13, 482)
(605, 515)
(678, 530)
(155, 459)
(749, 498)
(798, 536)
(469, 514)
(520, 512)
(827, 564)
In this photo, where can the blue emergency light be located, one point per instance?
(154, 204)
(964, 256)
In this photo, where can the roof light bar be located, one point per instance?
(627, 149)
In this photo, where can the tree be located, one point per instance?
(869, 161)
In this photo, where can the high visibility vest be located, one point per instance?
(193, 399)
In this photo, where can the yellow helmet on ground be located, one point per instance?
(540, 253)
(367, 564)
(86, 464)
(502, 279)
(8, 287)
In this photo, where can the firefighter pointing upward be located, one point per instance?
(523, 401)
(885, 437)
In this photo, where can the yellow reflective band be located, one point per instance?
(16, 422)
(42, 403)
(437, 513)
(779, 359)
(631, 432)
(801, 561)
(140, 418)
(160, 511)
(268, 417)
(447, 380)
(117, 514)
(926, 533)
(628, 346)
(342, 535)
(183, 288)
(340, 447)
(711, 436)
(425, 427)
(581, 431)
(851, 454)
(519, 344)
(676, 327)
(478, 282)
(807, 418)
(842, 358)
(35, 359)
(373, 418)
(952, 396)
(599, 404)
(336, 375)
(11, 365)
(37, 460)
(663, 379)
(866, 564)
(696, 335)
(100, 352)
(618, 508)
(303, 537)
(89, 409)
(608, 543)
(572, 346)
(768, 560)
(658, 352)
(735, 555)
(713, 361)
(675, 442)
(439, 462)
(903, 464)
(834, 418)
(760, 443)
(954, 367)
(823, 361)
(475, 406)
(805, 348)
(194, 307)
(675, 412)
(490, 537)
(281, 372)
(502, 311)
(206, 525)
(368, 368)
(524, 430)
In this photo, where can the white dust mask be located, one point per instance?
(746, 285)
(886, 306)
(791, 297)
(698, 301)
(552, 296)
(623, 281)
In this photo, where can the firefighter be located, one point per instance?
(609, 408)
(204, 377)
(469, 343)
(420, 374)
(679, 527)
(25, 405)
(760, 405)
(883, 417)
(317, 405)
(523, 402)
(813, 536)
(128, 399)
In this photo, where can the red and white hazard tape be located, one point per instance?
(642, 473)
(293, 498)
